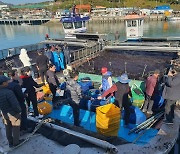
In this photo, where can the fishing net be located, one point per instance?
(137, 96)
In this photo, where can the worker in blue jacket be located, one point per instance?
(106, 79)
(58, 58)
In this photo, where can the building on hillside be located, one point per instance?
(98, 11)
(115, 11)
(145, 12)
(58, 14)
(4, 7)
(161, 9)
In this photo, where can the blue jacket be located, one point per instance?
(58, 60)
(105, 83)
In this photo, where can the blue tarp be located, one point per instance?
(74, 19)
(163, 7)
(88, 122)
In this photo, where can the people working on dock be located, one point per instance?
(25, 58)
(16, 88)
(151, 90)
(1, 72)
(171, 94)
(121, 90)
(58, 58)
(47, 37)
(11, 112)
(117, 36)
(106, 79)
(74, 95)
(48, 53)
(53, 48)
(42, 63)
(53, 82)
(67, 54)
(30, 92)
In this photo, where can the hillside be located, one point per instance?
(2, 3)
(117, 3)
(65, 4)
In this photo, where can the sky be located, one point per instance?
(23, 1)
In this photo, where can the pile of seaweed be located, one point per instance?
(137, 64)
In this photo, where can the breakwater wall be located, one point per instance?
(21, 21)
(105, 19)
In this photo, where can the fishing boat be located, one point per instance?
(74, 23)
(26, 24)
(171, 18)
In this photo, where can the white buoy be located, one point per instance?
(71, 149)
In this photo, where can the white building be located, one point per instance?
(4, 7)
(58, 14)
(146, 12)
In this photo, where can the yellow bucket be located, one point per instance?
(108, 110)
(107, 123)
(107, 119)
(44, 108)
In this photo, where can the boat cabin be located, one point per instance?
(74, 24)
(134, 27)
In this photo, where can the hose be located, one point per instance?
(98, 142)
(140, 125)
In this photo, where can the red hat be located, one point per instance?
(103, 69)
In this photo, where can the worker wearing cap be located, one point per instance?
(106, 79)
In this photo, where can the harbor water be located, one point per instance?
(18, 35)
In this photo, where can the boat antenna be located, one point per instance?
(93, 65)
(145, 66)
(125, 70)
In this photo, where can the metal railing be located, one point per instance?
(5, 53)
(77, 56)
(85, 53)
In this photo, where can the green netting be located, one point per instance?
(137, 95)
(98, 78)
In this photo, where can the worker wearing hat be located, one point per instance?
(121, 90)
(106, 79)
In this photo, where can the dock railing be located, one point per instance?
(77, 56)
(85, 54)
(5, 53)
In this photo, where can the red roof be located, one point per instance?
(133, 16)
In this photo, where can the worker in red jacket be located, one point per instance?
(151, 84)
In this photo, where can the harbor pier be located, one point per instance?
(26, 21)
